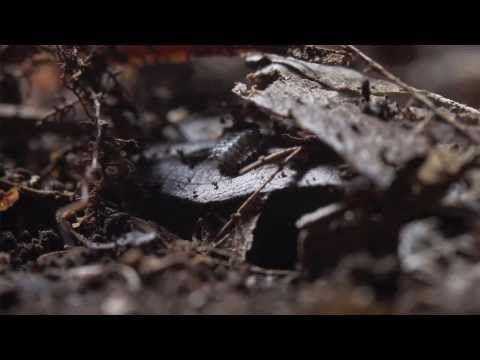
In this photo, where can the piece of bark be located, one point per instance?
(320, 55)
(331, 77)
(319, 99)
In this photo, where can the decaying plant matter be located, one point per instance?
(301, 182)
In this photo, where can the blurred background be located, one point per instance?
(450, 70)
(194, 74)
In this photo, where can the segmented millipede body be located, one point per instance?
(235, 150)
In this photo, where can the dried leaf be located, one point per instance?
(8, 199)
(203, 183)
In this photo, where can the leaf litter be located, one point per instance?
(310, 188)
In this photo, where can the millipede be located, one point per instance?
(236, 149)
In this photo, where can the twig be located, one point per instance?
(37, 192)
(68, 211)
(262, 160)
(222, 234)
(419, 95)
(31, 113)
(60, 109)
(100, 124)
(271, 272)
(450, 103)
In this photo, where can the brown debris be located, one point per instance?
(8, 199)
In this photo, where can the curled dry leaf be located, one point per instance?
(8, 199)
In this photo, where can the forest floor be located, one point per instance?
(239, 180)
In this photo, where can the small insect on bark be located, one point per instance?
(235, 150)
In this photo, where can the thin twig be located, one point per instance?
(221, 236)
(441, 100)
(68, 211)
(262, 160)
(271, 272)
(32, 113)
(100, 124)
(37, 192)
(63, 109)
(420, 95)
